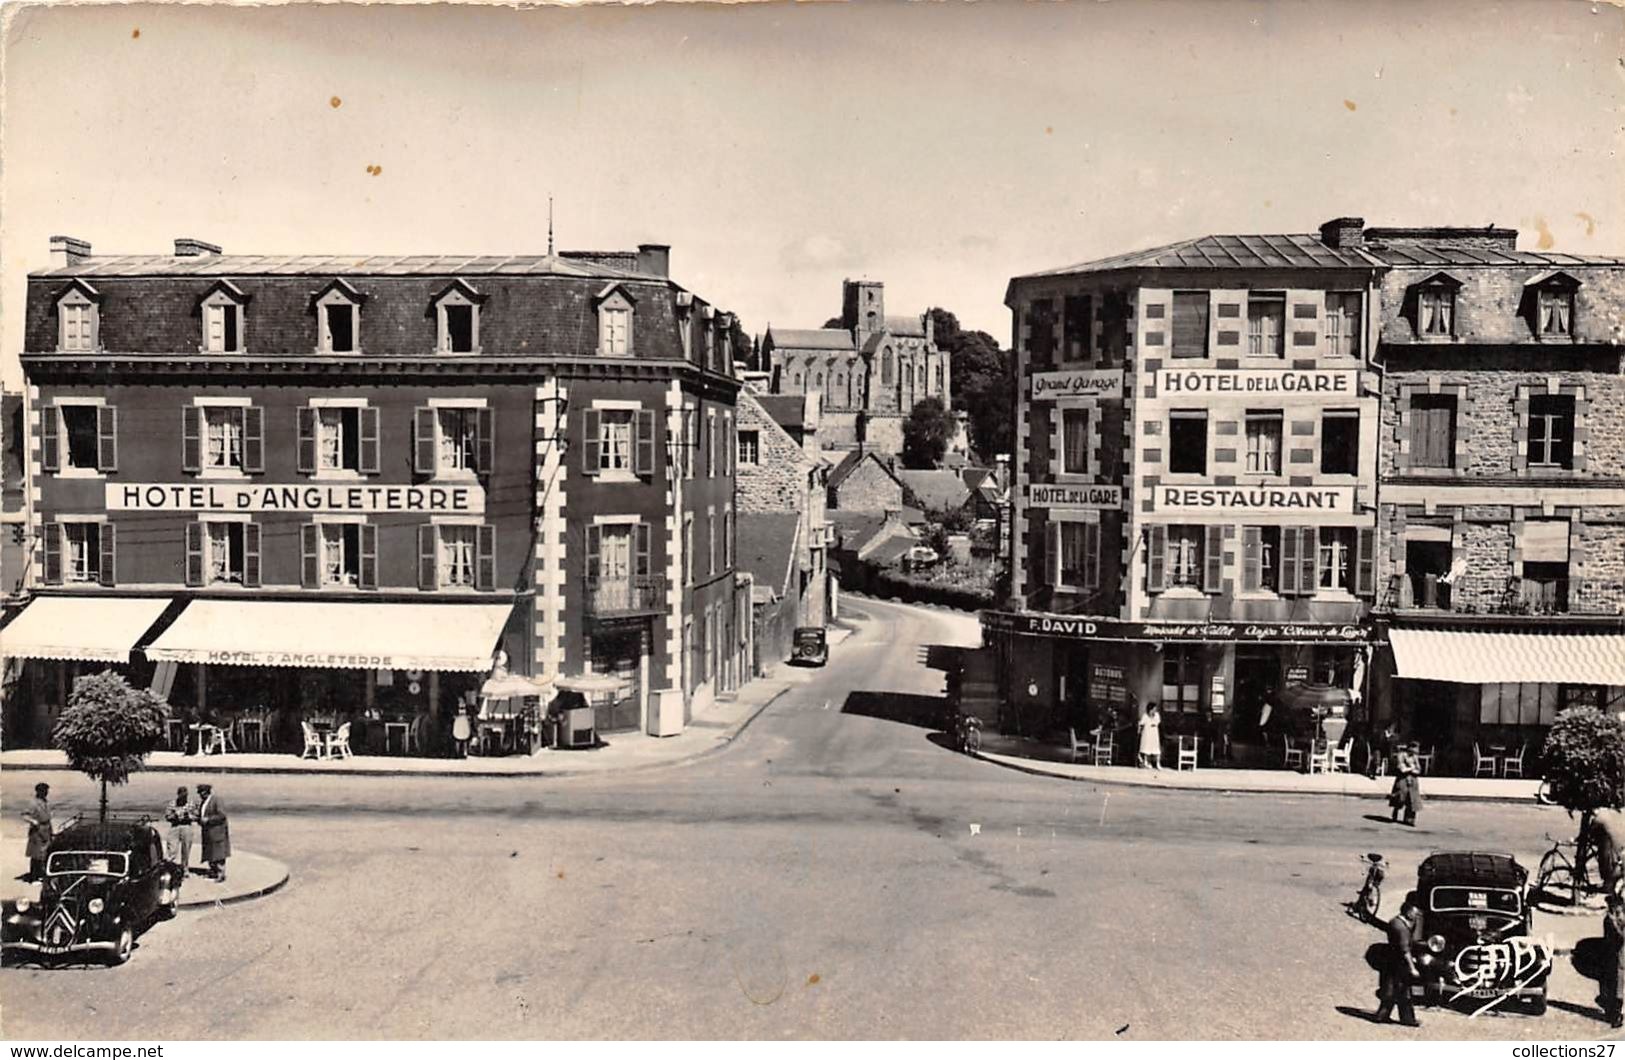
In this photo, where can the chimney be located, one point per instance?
(66, 250)
(194, 248)
(1343, 232)
(655, 259)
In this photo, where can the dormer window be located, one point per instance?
(1436, 307)
(222, 313)
(1549, 305)
(338, 318)
(78, 319)
(457, 319)
(614, 322)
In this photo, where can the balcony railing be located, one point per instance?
(611, 597)
(1493, 595)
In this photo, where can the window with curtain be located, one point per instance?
(1556, 312)
(1185, 556)
(1075, 441)
(1266, 325)
(223, 437)
(1437, 310)
(1263, 443)
(1342, 322)
(457, 545)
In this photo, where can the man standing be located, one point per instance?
(38, 816)
(1613, 966)
(1399, 970)
(216, 832)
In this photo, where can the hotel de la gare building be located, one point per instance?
(292, 486)
(1377, 469)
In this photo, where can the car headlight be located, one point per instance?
(96, 905)
(24, 905)
(1436, 943)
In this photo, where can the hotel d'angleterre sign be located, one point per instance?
(345, 498)
(1080, 383)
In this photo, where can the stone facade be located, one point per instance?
(778, 475)
(867, 486)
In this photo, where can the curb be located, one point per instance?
(1124, 782)
(247, 896)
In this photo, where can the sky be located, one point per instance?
(780, 148)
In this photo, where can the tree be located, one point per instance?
(1585, 766)
(926, 434)
(984, 382)
(834, 322)
(109, 728)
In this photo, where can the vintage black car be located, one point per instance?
(811, 647)
(1475, 944)
(104, 885)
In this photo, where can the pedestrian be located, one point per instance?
(1608, 845)
(38, 816)
(1406, 795)
(1150, 725)
(1613, 967)
(216, 832)
(1399, 969)
(182, 818)
(460, 731)
(1381, 747)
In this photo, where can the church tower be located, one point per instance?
(863, 309)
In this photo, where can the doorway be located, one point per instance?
(1258, 679)
(619, 653)
(1072, 682)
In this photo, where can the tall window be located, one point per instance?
(1263, 443)
(1078, 561)
(340, 558)
(691, 438)
(1340, 442)
(1190, 323)
(614, 330)
(615, 440)
(79, 433)
(338, 318)
(457, 439)
(81, 552)
(885, 366)
(457, 319)
(1436, 307)
(1075, 441)
(750, 447)
(1433, 430)
(223, 553)
(338, 437)
(1077, 331)
(1336, 559)
(1342, 322)
(222, 326)
(1551, 430)
(1261, 558)
(1185, 556)
(1556, 312)
(457, 554)
(1266, 325)
(223, 437)
(1187, 443)
(76, 321)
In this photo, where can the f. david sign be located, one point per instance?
(1102, 383)
(1096, 497)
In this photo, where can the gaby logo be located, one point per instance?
(1499, 969)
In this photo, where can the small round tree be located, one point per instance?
(1585, 767)
(109, 728)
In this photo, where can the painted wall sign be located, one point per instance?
(322, 497)
(1049, 496)
(1107, 683)
(1102, 383)
(1183, 382)
(1297, 499)
(1076, 627)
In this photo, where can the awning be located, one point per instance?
(80, 627)
(334, 635)
(516, 686)
(1479, 658)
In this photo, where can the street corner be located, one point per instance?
(248, 876)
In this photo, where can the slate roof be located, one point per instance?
(811, 339)
(787, 410)
(936, 490)
(1436, 256)
(891, 550)
(341, 265)
(905, 325)
(767, 546)
(853, 529)
(850, 462)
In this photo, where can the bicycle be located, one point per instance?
(1559, 872)
(1369, 900)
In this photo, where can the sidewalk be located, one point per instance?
(708, 732)
(1031, 756)
(248, 876)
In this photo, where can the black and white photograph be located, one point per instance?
(812, 522)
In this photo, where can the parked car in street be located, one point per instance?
(105, 884)
(1476, 933)
(811, 647)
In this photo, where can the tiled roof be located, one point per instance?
(845, 466)
(810, 339)
(1436, 256)
(905, 325)
(787, 410)
(1230, 252)
(340, 265)
(853, 529)
(936, 491)
(891, 550)
(767, 545)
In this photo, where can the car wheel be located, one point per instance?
(123, 947)
(1537, 1004)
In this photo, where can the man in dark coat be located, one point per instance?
(1399, 969)
(38, 816)
(216, 832)
(1613, 967)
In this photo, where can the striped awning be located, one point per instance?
(85, 628)
(1481, 658)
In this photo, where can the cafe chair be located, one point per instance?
(1081, 750)
(314, 746)
(220, 741)
(1340, 758)
(1187, 752)
(1104, 748)
(1483, 764)
(1512, 763)
(1294, 755)
(338, 744)
(414, 736)
(1320, 757)
(1424, 761)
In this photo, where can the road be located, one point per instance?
(833, 874)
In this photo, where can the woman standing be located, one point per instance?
(1407, 791)
(1150, 725)
(461, 731)
(182, 818)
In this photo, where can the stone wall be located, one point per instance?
(778, 481)
(869, 488)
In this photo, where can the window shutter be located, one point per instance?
(52, 534)
(591, 443)
(1156, 558)
(1190, 324)
(251, 554)
(368, 420)
(644, 535)
(428, 557)
(194, 553)
(367, 576)
(1367, 583)
(50, 424)
(485, 557)
(107, 438)
(1287, 565)
(485, 441)
(593, 534)
(107, 533)
(1091, 554)
(423, 440)
(644, 458)
(191, 438)
(1252, 558)
(307, 440)
(253, 439)
(1052, 553)
(1213, 559)
(310, 555)
(1307, 582)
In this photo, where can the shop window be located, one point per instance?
(1551, 431)
(1181, 678)
(222, 553)
(79, 438)
(1340, 442)
(1190, 323)
(1266, 324)
(450, 441)
(1075, 441)
(750, 447)
(1187, 443)
(1076, 331)
(1264, 443)
(1342, 323)
(1261, 558)
(1519, 704)
(1433, 430)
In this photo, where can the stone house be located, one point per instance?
(778, 473)
(862, 482)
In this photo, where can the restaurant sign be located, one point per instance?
(1105, 383)
(1244, 499)
(1079, 627)
(1043, 495)
(1255, 382)
(324, 497)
